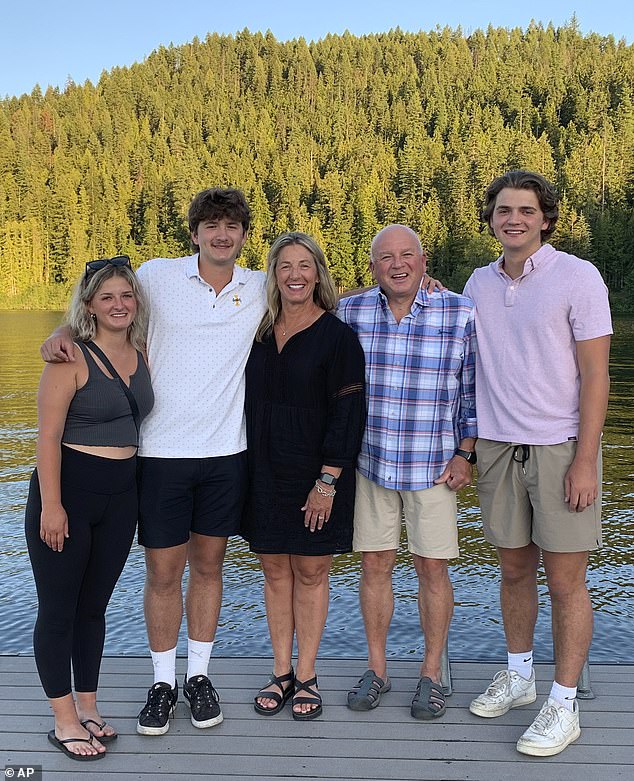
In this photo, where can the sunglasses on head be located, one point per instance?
(96, 265)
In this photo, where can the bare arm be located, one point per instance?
(581, 486)
(57, 388)
(59, 347)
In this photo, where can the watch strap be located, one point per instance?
(468, 455)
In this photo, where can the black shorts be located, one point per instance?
(178, 496)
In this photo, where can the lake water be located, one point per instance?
(476, 631)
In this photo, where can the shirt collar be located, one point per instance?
(191, 271)
(421, 299)
(532, 262)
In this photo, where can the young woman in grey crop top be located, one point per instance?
(82, 507)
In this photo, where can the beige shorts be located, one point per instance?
(430, 519)
(520, 505)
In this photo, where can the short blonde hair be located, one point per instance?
(82, 325)
(324, 295)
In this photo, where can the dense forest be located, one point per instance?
(336, 137)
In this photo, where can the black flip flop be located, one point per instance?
(100, 738)
(60, 744)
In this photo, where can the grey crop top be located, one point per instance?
(99, 413)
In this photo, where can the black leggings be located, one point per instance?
(75, 585)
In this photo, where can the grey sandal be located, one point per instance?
(429, 700)
(366, 695)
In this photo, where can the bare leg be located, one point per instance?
(435, 606)
(518, 595)
(163, 599)
(571, 613)
(67, 726)
(310, 607)
(377, 604)
(86, 706)
(204, 589)
(278, 597)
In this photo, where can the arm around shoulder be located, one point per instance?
(59, 347)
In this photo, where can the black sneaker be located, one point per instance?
(203, 700)
(155, 716)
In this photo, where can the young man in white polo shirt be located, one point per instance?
(543, 324)
(204, 311)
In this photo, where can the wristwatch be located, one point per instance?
(468, 455)
(328, 479)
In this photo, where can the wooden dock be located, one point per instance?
(381, 745)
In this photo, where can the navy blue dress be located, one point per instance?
(305, 407)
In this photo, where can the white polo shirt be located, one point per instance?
(198, 345)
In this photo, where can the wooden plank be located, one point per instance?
(385, 744)
(392, 769)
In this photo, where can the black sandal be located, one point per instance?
(429, 700)
(281, 699)
(314, 699)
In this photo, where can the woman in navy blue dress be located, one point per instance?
(305, 412)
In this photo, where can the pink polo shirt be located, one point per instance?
(527, 378)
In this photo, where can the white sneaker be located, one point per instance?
(554, 728)
(507, 690)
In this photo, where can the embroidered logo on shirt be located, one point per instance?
(236, 300)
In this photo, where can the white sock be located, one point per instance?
(564, 695)
(164, 666)
(198, 654)
(522, 664)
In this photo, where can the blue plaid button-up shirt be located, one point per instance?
(420, 384)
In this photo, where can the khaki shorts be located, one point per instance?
(520, 505)
(430, 519)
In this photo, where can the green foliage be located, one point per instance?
(336, 137)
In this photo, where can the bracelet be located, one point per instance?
(321, 491)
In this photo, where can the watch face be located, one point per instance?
(327, 478)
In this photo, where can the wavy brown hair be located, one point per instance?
(524, 180)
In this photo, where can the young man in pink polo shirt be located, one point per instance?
(543, 324)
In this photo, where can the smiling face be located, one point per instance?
(517, 222)
(219, 240)
(114, 304)
(296, 275)
(398, 263)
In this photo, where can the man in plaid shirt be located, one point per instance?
(417, 451)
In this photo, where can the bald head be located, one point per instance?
(392, 230)
(398, 263)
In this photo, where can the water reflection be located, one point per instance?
(476, 631)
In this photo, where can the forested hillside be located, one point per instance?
(336, 137)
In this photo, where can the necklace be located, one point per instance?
(298, 326)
